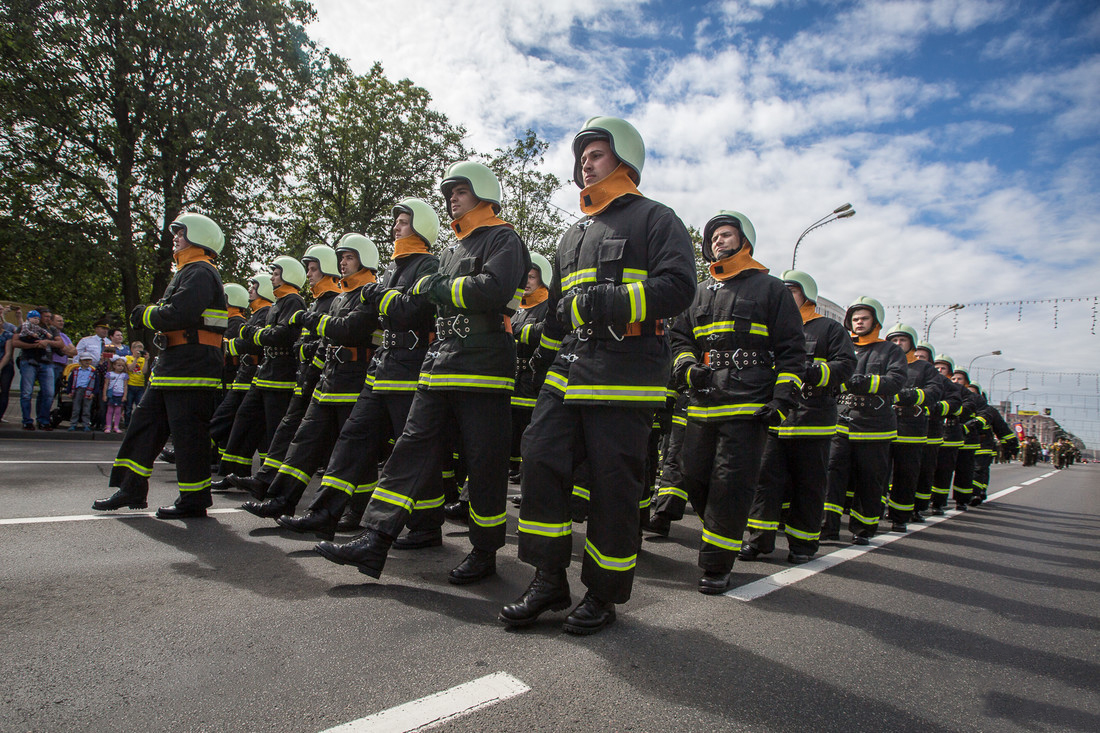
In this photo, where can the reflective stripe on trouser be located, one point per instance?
(521, 418)
(284, 434)
(791, 471)
(863, 465)
(981, 475)
(611, 442)
(412, 472)
(183, 413)
(923, 494)
(721, 465)
(671, 497)
(945, 470)
(906, 459)
(254, 425)
(317, 433)
(962, 484)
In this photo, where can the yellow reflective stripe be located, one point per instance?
(494, 521)
(216, 318)
(271, 384)
(394, 385)
(575, 313)
(321, 325)
(805, 431)
(456, 292)
(884, 435)
(920, 396)
(683, 355)
(557, 381)
(614, 393)
(607, 562)
(757, 329)
(526, 402)
(703, 412)
(366, 488)
(544, 529)
(243, 460)
(333, 398)
(194, 486)
(419, 284)
(680, 420)
(392, 497)
(911, 439)
(726, 543)
(525, 333)
(429, 503)
(145, 316)
(271, 462)
(672, 491)
(902, 507)
(384, 304)
(480, 381)
(137, 468)
(318, 362)
(582, 493)
(338, 483)
(636, 294)
(835, 508)
(866, 520)
(586, 275)
(256, 335)
(644, 503)
(934, 441)
(293, 472)
(548, 343)
(785, 377)
(876, 381)
(764, 525)
(799, 534)
(159, 381)
(631, 275)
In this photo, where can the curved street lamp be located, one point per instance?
(841, 212)
(1008, 399)
(928, 328)
(1010, 369)
(979, 356)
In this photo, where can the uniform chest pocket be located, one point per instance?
(609, 265)
(743, 312)
(811, 346)
(468, 266)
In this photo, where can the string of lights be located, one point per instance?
(987, 305)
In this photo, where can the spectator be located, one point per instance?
(99, 417)
(63, 352)
(94, 344)
(114, 393)
(81, 385)
(35, 363)
(135, 365)
(114, 335)
(7, 358)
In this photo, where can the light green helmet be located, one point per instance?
(624, 139)
(802, 280)
(325, 257)
(726, 217)
(482, 182)
(292, 271)
(200, 231)
(264, 289)
(868, 302)
(424, 220)
(927, 347)
(361, 245)
(236, 295)
(546, 272)
(900, 329)
(945, 359)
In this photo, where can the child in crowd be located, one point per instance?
(114, 393)
(81, 386)
(106, 357)
(135, 365)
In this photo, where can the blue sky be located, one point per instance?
(965, 132)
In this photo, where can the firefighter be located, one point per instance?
(670, 499)
(468, 375)
(345, 331)
(957, 409)
(922, 389)
(527, 329)
(796, 454)
(996, 429)
(937, 414)
(190, 319)
(617, 274)
(323, 275)
(860, 453)
(272, 388)
(383, 405)
(962, 482)
(237, 299)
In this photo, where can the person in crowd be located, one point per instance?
(135, 368)
(63, 353)
(7, 361)
(81, 386)
(35, 365)
(118, 339)
(114, 393)
(94, 344)
(106, 358)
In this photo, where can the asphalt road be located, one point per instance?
(988, 621)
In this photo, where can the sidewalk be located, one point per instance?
(12, 427)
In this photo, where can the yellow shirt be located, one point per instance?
(137, 379)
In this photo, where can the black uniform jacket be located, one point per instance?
(643, 248)
(913, 419)
(752, 313)
(247, 353)
(814, 414)
(869, 414)
(279, 367)
(346, 341)
(193, 301)
(231, 362)
(963, 400)
(310, 363)
(527, 326)
(408, 322)
(947, 407)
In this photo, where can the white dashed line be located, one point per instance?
(433, 710)
(90, 517)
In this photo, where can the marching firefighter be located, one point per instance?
(740, 350)
(793, 468)
(996, 428)
(670, 499)
(345, 331)
(937, 412)
(956, 407)
(323, 276)
(527, 329)
(384, 402)
(466, 379)
(962, 483)
(190, 319)
(860, 453)
(237, 300)
(617, 274)
(922, 390)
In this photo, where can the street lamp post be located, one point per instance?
(841, 212)
(980, 356)
(928, 328)
(1010, 369)
(1008, 399)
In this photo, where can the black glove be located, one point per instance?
(541, 359)
(908, 396)
(565, 310)
(306, 319)
(136, 316)
(601, 304)
(971, 425)
(813, 375)
(295, 319)
(371, 295)
(858, 383)
(699, 376)
(438, 289)
(773, 413)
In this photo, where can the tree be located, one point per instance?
(365, 143)
(120, 114)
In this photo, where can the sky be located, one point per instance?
(965, 133)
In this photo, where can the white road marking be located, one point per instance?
(89, 517)
(433, 710)
(764, 586)
(109, 461)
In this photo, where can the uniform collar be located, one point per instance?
(602, 193)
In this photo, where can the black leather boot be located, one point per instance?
(221, 485)
(320, 522)
(268, 509)
(549, 591)
(189, 505)
(118, 500)
(658, 524)
(749, 552)
(353, 513)
(419, 539)
(715, 582)
(367, 552)
(478, 564)
(590, 615)
(251, 484)
(458, 511)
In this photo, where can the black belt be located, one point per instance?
(651, 328)
(402, 339)
(908, 410)
(275, 352)
(468, 324)
(737, 359)
(344, 354)
(861, 401)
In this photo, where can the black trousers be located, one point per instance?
(521, 418)
(612, 440)
(412, 472)
(906, 459)
(319, 429)
(258, 416)
(183, 413)
(982, 461)
(221, 424)
(925, 478)
(721, 465)
(946, 458)
(671, 497)
(865, 466)
(284, 434)
(962, 485)
(792, 473)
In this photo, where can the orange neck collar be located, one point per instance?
(259, 304)
(284, 290)
(480, 216)
(601, 194)
(328, 284)
(191, 254)
(911, 356)
(808, 312)
(409, 245)
(735, 264)
(357, 280)
(540, 294)
(235, 311)
(871, 338)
